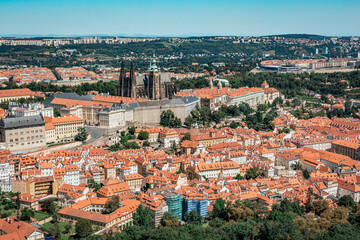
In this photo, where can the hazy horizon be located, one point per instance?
(178, 18)
(155, 36)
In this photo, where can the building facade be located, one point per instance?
(66, 128)
(22, 134)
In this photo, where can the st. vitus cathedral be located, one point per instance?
(153, 85)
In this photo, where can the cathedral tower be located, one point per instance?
(154, 81)
(122, 80)
(133, 81)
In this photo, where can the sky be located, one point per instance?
(179, 17)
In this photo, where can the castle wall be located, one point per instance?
(151, 114)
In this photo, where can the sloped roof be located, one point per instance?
(14, 122)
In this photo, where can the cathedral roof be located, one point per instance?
(161, 102)
(141, 79)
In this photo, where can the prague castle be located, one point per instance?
(153, 85)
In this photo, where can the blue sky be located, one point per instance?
(179, 18)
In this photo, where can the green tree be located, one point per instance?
(94, 185)
(124, 139)
(320, 206)
(143, 135)
(17, 202)
(193, 217)
(57, 112)
(53, 211)
(217, 116)
(169, 220)
(187, 136)
(297, 166)
(112, 204)
(5, 214)
(254, 172)
(26, 214)
(83, 228)
(67, 228)
(205, 115)
(131, 145)
(146, 187)
(55, 230)
(306, 174)
(180, 171)
(239, 177)
(219, 209)
(82, 135)
(189, 121)
(234, 124)
(46, 205)
(217, 222)
(346, 201)
(190, 172)
(168, 119)
(142, 217)
(132, 130)
(296, 102)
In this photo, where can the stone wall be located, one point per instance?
(151, 114)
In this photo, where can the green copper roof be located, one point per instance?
(153, 67)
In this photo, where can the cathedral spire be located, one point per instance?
(133, 80)
(122, 79)
(153, 67)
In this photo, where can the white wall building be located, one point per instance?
(4, 170)
(217, 169)
(31, 109)
(251, 96)
(72, 175)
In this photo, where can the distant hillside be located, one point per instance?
(309, 36)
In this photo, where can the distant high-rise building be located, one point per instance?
(316, 51)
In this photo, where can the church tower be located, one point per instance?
(154, 81)
(122, 80)
(219, 85)
(133, 81)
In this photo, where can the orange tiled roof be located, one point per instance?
(63, 120)
(16, 92)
